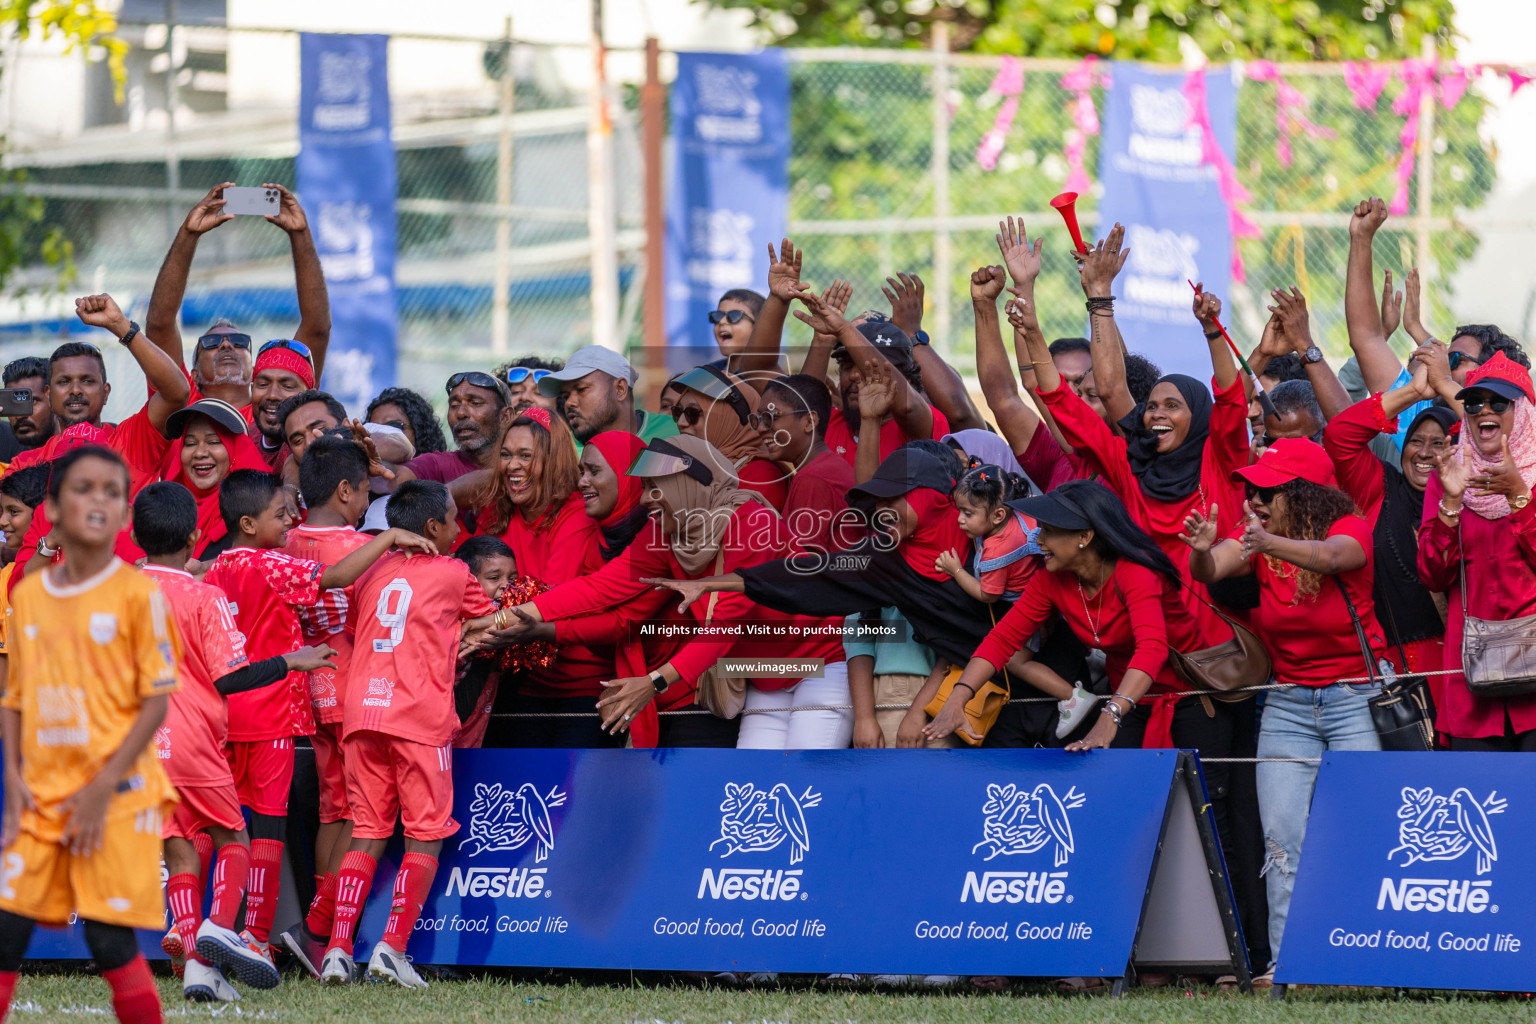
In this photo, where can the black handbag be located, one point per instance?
(1402, 710)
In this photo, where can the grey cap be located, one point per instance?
(585, 360)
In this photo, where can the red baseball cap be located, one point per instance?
(1502, 376)
(1290, 458)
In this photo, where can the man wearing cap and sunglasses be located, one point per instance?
(221, 366)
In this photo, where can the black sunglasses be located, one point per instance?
(1495, 405)
(1266, 441)
(732, 316)
(208, 342)
(686, 416)
(1457, 358)
(766, 420)
(1263, 495)
(477, 379)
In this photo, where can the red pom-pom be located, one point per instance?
(532, 653)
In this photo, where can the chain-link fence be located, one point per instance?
(884, 177)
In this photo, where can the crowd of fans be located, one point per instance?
(1040, 569)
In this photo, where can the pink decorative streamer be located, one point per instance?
(1009, 84)
(1232, 191)
(1417, 76)
(1366, 82)
(1085, 121)
(1453, 83)
(1289, 104)
(1517, 81)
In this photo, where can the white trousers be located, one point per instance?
(776, 729)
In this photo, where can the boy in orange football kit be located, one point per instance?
(265, 587)
(92, 658)
(190, 745)
(407, 616)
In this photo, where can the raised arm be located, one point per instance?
(761, 355)
(1023, 263)
(1291, 310)
(1379, 365)
(945, 387)
(1097, 274)
(1015, 418)
(169, 389)
(1208, 311)
(819, 355)
(162, 321)
(1209, 559)
(314, 327)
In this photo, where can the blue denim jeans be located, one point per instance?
(1301, 721)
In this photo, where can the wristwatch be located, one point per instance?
(1311, 355)
(921, 337)
(660, 682)
(1519, 503)
(133, 332)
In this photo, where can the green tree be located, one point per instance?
(26, 236)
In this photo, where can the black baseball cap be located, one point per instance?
(220, 412)
(904, 470)
(891, 340)
(1052, 509)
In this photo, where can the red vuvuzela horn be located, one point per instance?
(1066, 205)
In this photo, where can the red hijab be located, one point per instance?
(938, 530)
(621, 448)
(243, 454)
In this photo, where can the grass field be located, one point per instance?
(57, 996)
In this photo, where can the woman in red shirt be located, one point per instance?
(1117, 592)
(1311, 552)
(1478, 543)
(536, 510)
(717, 407)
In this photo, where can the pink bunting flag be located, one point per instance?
(1085, 121)
(1454, 82)
(1517, 81)
(1289, 107)
(1366, 81)
(1417, 76)
(1009, 84)
(1211, 154)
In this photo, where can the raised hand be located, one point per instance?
(1453, 472)
(1207, 308)
(290, 215)
(987, 284)
(1412, 322)
(1099, 268)
(1022, 261)
(877, 390)
(1291, 310)
(1370, 214)
(1256, 539)
(1391, 307)
(1017, 311)
(1199, 531)
(1502, 479)
(783, 270)
(837, 295)
(1434, 359)
(101, 311)
(376, 466)
(209, 211)
(905, 294)
(818, 312)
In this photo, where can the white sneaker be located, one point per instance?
(204, 983)
(337, 968)
(1073, 710)
(232, 950)
(389, 964)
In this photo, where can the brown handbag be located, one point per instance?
(1239, 663)
(1498, 656)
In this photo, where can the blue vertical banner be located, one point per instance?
(730, 184)
(1176, 222)
(346, 178)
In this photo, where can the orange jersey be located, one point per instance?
(325, 622)
(83, 658)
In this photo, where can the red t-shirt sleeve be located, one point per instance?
(1347, 440)
(1228, 440)
(141, 445)
(295, 581)
(223, 645)
(1143, 593)
(1014, 629)
(1091, 438)
(761, 476)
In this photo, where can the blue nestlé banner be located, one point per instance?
(729, 198)
(1014, 862)
(1416, 873)
(1175, 218)
(346, 177)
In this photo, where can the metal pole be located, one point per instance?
(1426, 168)
(172, 100)
(600, 224)
(652, 134)
(939, 289)
(501, 283)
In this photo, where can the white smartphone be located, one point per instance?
(259, 202)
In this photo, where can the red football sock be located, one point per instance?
(323, 910)
(7, 989)
(185, 895)
(229, 877)
(352, 884)
(266, 876)
(412, 883)
(202, 842)
(133, 993)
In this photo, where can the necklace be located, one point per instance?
(1093, 623)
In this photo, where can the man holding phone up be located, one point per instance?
(222, 365)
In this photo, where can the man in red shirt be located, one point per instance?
(333, 477)
(479, 410)
(190, 744)
(399, 726)
(792, 420)
(265, 588)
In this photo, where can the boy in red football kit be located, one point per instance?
(92, 662)
(333, 478)
(190, 746)
(407, 618)
(264, 587)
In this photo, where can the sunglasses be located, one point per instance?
(289, 344)
(477, 379)
(399, 425)
(518, 374)
(766, 420)
(1457, 358)
(209, 342)
(1495, 405)
(686, 416)
(732, 316)
(1266, 441)
(1263, 495)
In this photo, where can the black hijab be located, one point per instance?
(1170, 476)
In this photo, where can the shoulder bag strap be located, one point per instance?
(709, 609)
(1007, 682)
(1365, 644)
